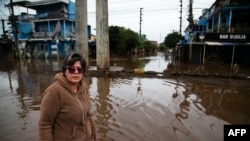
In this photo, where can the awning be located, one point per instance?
(226, 43)
(215, 43)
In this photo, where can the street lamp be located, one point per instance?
(190, 44)
(202, 36)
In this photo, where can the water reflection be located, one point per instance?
(103, 107)
(157, 62)
(131, 108)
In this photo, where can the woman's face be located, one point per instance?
(74, 73)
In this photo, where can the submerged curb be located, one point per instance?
(151, 74)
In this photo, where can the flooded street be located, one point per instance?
(130, 108)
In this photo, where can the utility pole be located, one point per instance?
(180, 16)
(4, 33)
(14, 27)
(190, 14)
(140, 23)
(191, 25)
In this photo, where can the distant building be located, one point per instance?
(49, 32)
(223, 30)
(154, 42)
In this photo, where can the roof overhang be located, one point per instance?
(48, 2)
(30, 3)
(20, 3)
(211, 43)
(216, 43)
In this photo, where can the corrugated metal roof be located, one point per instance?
(46, 2)
(29, 3)
(20, 2)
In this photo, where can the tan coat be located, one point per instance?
(63, 115)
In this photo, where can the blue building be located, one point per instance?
(222, 32)
(50, 31)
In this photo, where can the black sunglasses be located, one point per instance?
(72, 69)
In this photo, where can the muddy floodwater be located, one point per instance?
(130, 108)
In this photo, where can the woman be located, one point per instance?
(65, 108)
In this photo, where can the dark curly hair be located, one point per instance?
(71, 59)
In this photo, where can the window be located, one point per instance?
(42, 28)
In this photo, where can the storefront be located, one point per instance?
(223, 47)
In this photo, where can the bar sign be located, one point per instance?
(236, 132)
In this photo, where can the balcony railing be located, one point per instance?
(234, 29)
(38, 35)
(49, 35)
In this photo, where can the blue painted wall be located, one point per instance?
(71, 10)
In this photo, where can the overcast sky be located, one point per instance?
(159, 17)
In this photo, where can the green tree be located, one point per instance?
(148, 46)
(131, 40)
(172, 39)
(114, 38)
(162, 46)
(122, 40)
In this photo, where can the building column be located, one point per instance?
(230, 21)
(82, 45)
(219, 22)
(102, 35)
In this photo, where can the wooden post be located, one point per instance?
(4, 34)
(232, 57)
(190, 50)
(204, 53)
(14, 27)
